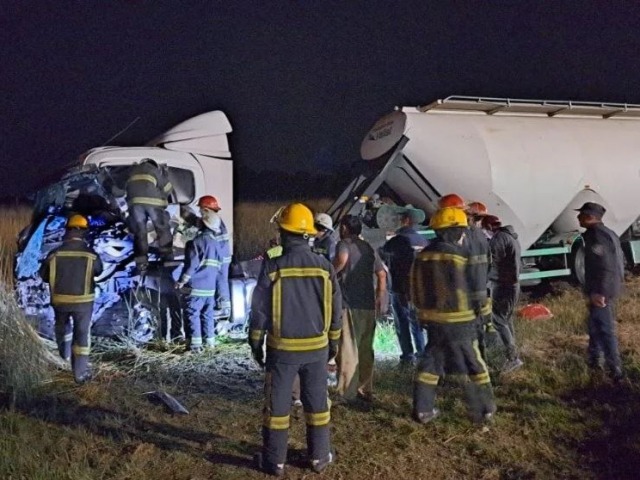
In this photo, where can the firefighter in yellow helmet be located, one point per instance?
(440, 291)
(296, 305)
(70, 270)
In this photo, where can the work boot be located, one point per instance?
(266, 467)
(318, 466)
(407, 363)
(141, 268)
(84, 378)
(426, 417)
(195, 350)
(512, 365)
(616, 374)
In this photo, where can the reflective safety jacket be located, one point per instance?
(222, 282)
(70, 270)
(148, 185)
(296, 304)
(202, 262)
(439, 286)
(477, 249)
(325, 246)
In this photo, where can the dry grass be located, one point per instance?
(554, 419)
(24, 360)
(253, 230)
(12, 220)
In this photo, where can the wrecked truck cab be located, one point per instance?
(196, 156)
(123, 305)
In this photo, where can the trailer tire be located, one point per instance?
(578, 262)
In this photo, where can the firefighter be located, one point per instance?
(440, 292)
(477, 246)
(399, 253)
(296, 305)
(209, 208)
(148, 189)
(324, 243)
(604, 277)
(203, 259)
(70, 270)
(505, 287)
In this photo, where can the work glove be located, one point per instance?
(333, 350)
(178, 285)
(258, 356)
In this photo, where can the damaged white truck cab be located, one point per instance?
(198, 161)
(196, 153)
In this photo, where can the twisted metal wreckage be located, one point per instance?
(198, 162)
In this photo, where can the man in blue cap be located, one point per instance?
(604, 276)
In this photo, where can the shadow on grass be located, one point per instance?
(122, 427)
(612, 450)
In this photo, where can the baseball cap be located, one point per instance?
(592, 208)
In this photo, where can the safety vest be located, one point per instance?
(477, 247)
(438, 285)
(70, 272)
(296, 303)
(202, 263)
(148, 185)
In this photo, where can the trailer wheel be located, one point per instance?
(577, 262)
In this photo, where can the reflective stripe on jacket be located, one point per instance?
(439, 286)
(202, 262)
(224, 246)
(148, 185)
(477, 249)
(296, 303)
(70, 270)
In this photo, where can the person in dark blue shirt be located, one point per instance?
(399, 253)
(604, 277)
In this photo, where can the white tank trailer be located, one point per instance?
(532, 162)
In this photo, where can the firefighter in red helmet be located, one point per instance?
(209, 208)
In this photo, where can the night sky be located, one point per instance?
(301, 82)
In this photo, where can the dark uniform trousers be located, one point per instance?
(200, 318)
(453, 349)
(602, 336)
(138, 215)
(504, 300)
(73, 325)
(279, 381)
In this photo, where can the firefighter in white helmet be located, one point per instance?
(324, 243)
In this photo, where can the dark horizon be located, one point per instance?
(301, 83)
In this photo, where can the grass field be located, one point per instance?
(554, 419)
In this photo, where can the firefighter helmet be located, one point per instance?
(150, 161)
(297, 218)
(325, 221)
(77, 221)
(451, 200)
(210, 202)
(448, 217)
(490, 221)
(477, 208)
